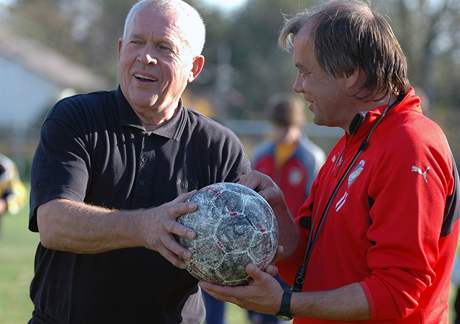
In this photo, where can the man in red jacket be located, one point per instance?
(378, 232)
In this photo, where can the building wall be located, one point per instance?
(23, 95)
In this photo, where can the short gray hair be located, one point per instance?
(191, 21)
(349, 35)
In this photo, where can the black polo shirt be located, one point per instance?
(93, 148)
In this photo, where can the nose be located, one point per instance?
(297, 85)
(151, 59)
(147, 58)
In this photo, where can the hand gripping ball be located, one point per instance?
(234, 226)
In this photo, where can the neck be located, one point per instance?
(368, 105)
(154, 118)
(288, 135)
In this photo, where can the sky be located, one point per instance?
(222, 4)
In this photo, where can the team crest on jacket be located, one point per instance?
(356, 172)
(295, 176)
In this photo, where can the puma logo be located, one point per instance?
(416, 169)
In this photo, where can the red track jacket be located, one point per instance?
(388, 227)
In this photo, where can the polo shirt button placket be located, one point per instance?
(143, 160)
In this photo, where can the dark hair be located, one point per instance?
(349, 35)
(286, 111)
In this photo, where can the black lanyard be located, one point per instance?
(313, 236)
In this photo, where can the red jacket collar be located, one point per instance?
(410, 102)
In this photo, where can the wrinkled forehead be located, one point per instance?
(164, 23)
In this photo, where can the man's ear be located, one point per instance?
(355, 80)
(197, 67)
(120, 44)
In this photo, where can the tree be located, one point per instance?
(429, 32)
(260, 68)
(85, 30)
(244, 65)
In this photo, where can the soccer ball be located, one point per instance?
(234, 226)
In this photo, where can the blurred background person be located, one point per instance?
(289, 158)
(12, 190)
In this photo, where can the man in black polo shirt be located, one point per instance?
(111, 175)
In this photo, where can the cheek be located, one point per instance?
(177, 74)
(310, 87)
(167, 75)
(124, 65)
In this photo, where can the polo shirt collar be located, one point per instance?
(172, 129)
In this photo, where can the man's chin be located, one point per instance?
(144, 103)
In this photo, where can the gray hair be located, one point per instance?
(191, 21)
(348, 35)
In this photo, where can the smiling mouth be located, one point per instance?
(144, 78)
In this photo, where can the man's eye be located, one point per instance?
(165, 47)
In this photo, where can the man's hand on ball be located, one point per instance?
(265, 186)
(262, 294)
(160, 226)
(272, 270)
(279, 253)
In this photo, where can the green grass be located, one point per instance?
(17, 249)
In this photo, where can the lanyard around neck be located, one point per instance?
(313, 236)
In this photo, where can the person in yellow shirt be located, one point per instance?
(12, 191)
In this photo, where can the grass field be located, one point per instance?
(17, 248)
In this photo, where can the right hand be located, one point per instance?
(159, 226)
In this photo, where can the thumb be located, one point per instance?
(272, 270)
(255, 273)
(248, 181)
(185, 196)
(279, 253)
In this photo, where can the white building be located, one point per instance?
(33, 77)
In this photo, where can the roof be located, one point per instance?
(47, 63)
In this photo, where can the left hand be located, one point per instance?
(262, 294)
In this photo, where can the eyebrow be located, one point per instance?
(164, 39)
(135, 36)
